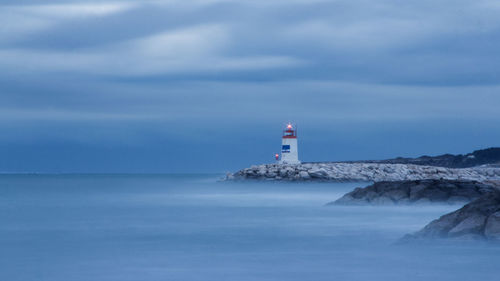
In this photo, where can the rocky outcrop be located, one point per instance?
(489, 156)
(362, 172)
(478, 219)
(411, 192)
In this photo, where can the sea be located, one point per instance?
(183, 227)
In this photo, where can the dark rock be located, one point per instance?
(478, 219)
(492, 228)
(421, 191)
(382, 200)
(457, 199)
(479, 157)
(318, 173)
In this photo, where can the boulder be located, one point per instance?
(304, 175)
(318, 173)
(477, 219)
(229, 176)
(261, 172)
(271, 175)
(492, 229)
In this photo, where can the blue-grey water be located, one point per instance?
(191, 227)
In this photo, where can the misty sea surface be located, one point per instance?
(191, 227)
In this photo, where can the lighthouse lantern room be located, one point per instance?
(289, 150)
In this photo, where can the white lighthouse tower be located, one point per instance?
(289, 150)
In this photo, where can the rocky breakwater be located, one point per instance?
(478, 219)
(415, 192)
(362, 172)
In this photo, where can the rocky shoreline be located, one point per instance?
(375, 172)
(415, 192)
(402, 181)
(479, 219)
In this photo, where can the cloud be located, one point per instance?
(188, 50)
(316, 103)
(59, 115)
(387, 42)
(57, 11)
(317, 62)
(362, 36)
(393, 26)
(17, 21)
(171, 78)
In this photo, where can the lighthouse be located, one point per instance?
(289, 150)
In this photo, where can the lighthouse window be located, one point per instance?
(285, 148)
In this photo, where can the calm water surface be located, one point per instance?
(191, 227)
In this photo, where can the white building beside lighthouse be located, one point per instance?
(289, 150)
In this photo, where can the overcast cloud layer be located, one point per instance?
(205, 85)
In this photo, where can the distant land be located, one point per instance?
(489, 156)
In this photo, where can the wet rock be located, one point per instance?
(471, 225)
(398, 194)
(420, 192)
(382, 200)
(458, 199)
(477, 219)
(492, 228)
(421, 201)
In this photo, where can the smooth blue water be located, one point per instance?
(190, 227)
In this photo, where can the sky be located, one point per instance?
(206, 86)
